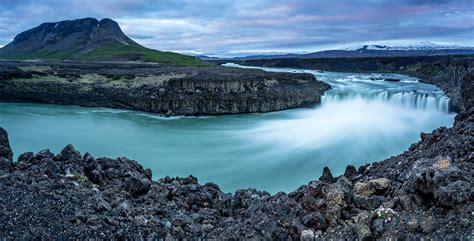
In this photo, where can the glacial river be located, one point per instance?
(361, 120)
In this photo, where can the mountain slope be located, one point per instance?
(86, 39)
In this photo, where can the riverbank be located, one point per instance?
(163, 89)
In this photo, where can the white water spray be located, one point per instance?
(410, 99)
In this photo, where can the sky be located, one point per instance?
(246, 27)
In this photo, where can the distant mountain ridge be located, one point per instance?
(371, 50)
(407, 46)
(86, 39)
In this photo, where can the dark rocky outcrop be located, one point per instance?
(5, 150)
(327, 176)
(80, 35)
(425, 192)
(6, 154)
(159, 89)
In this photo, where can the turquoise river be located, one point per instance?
(361, 120)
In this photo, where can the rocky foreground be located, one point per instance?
(426, 192)
(163, 89)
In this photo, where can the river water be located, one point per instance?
(361, 120)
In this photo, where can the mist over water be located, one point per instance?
(361, 120)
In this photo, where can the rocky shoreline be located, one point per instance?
(426, 192)
(162, 89)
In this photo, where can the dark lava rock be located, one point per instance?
(392, 80)
(387, 79)
(164, 89)
(315, 221)
(327, 176)
(5, 149)
(137, 186)
(350, 171)
(84, 197)
(368, 203)
(442, 182)
(69, 152)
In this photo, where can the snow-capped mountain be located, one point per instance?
(403, 46)
(374, 49)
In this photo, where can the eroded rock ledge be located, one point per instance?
(425, 192)
(163, 89)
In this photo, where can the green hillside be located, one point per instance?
(86, 39)
(113, 51)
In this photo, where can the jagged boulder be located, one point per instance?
(5, 149)
(6, 154)
(362, 226)
(350, 172)
(442, 182)
(121, 173)
(316, 221)
(317, 196)
(374, 186)
(69, 152)
(137, 185)
(327, 176)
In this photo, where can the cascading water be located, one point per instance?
(413, 99)
(362, 119)
(406, 92)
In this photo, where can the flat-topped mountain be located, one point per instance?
(86, 39)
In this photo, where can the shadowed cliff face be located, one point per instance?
(86, 39)
(454, 76)
(73, 35)
(159, 89)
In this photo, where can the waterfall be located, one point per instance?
(408, 93)
(409, 99)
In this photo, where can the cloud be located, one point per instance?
(233, 27)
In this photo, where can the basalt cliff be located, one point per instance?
(162, 89)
